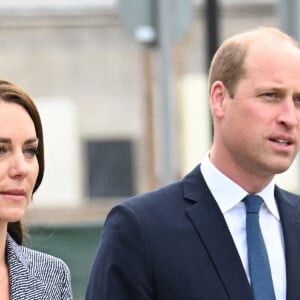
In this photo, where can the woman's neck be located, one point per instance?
(3, 236)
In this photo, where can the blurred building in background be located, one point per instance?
(98, 88)
(93, 82)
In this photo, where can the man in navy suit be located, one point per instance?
(188, 240)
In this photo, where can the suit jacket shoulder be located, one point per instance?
(36, 275)
(292, 198)
(171, 243)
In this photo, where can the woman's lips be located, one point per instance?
(13, 194)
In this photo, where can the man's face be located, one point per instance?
(260, 128)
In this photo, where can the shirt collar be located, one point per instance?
(228, 194)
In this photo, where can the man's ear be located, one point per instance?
(218, 99)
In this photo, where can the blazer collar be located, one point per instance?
(288, 205)
(21, 275)
(212, 229)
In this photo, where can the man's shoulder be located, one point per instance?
(289, 196)
(171, 189)
(156, 196)
(170, 196)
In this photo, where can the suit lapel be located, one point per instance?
(213, 232)
(288, 206)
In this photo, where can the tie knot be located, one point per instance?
(253, 203)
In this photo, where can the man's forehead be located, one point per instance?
(268, 49)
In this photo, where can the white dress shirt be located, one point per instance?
(228, 196)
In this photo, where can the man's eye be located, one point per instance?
(271, 95)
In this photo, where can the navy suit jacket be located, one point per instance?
(174, 243)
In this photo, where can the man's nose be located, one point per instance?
(288, 114)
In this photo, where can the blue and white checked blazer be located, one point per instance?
(35, 275)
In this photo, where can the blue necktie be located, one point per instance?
(259, 268)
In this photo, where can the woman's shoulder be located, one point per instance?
(43, 261)
(36, 259)
(38, 266)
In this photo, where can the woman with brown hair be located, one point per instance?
(24, 273)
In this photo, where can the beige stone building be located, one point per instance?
(93, 83)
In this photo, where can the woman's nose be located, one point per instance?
(18, 166)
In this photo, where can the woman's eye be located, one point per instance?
(2, 150)
(31, 152)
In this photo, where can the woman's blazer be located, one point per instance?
(35, 275)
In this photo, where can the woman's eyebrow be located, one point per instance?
(5, 140)
(9, 141)
(30, 141)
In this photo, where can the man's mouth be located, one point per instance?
(282, 141)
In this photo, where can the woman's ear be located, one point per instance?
(218, 99)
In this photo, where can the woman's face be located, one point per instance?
(18, 161)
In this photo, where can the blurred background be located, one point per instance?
(121, 87)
